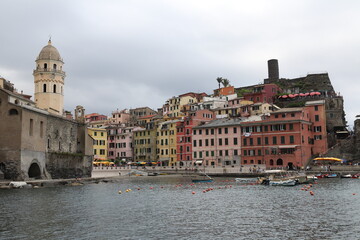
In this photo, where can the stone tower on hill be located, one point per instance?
(320, 83)
(49, 80)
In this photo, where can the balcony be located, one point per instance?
(49, 70)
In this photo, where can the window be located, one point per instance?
(219, 131)
(316, 108)
(94, 151)
(251, 141)
(317, 118)
(200, 143)
(235, 141)
(291, 126)
(226, 152)
(212, 141)
(245, 142)
(206, 142)
(31, 128)
(266, 141)
(207, 131)
(212, 131)
(292, 139)
(282, 139)
(220, 153)
(226, 130)
(194, 131)
(220, 141)
(274, 140)
(226, 141)
(41, 129)
(44, 87)
(259, 152)
(317, 129)
(194, 143)
(54, 88)
(13, 112)
(258, 141)
(235, 130)
(245, 152)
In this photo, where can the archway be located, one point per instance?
(279, 162)
(290, 166)
(34, 171)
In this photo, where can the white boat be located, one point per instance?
(288, 182)
(346, 176)
(246, 180)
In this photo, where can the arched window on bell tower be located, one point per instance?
(54, 66)
(45, 66)
(44, 87)
(54, 88)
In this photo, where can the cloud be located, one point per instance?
(122, 54)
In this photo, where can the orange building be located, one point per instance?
(287, 138)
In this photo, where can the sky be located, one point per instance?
(125, 54)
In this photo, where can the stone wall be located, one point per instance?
(68, 165)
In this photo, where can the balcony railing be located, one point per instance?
(50, 70)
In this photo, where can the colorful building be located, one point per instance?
(144, 142)
(166, 143)
(288, 138)
(217, 143)
(99, 136)
(120, 146)
(184, 134)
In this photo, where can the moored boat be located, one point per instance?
(346, 176)
(333, 175)
(288, 182)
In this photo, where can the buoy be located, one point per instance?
(162, 187)
(311, 193)
(119, 192)
(354, 193)
(193, 192)
(151, 187)
(138, 188)
(302, 189)
(204, 191)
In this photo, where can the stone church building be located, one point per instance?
(37, 140)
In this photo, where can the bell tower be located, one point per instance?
(49, 79)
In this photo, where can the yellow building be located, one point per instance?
(99, 136)
(174, 106)
(166, 143)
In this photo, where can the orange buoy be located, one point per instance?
(193, 192)
(354, 193)
(311, 193)
(151, 187)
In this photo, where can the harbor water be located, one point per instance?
(168, 207)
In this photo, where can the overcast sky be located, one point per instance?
(126, 54)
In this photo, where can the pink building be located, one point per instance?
(120, 117)
(184, 134)
(261, 93)
(288, 138)
(120, 142)
(94, 117)
(217, 143)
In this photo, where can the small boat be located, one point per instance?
(333, 175)
(288, 182)
(346, 176)
(246, 180)
(355, 176)
(320, 175)
(202, 178)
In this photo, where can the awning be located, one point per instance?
(287, 146)
(328, 159)
(198, 162)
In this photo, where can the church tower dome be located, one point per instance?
(49, 79)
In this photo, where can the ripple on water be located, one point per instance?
(171, 211)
